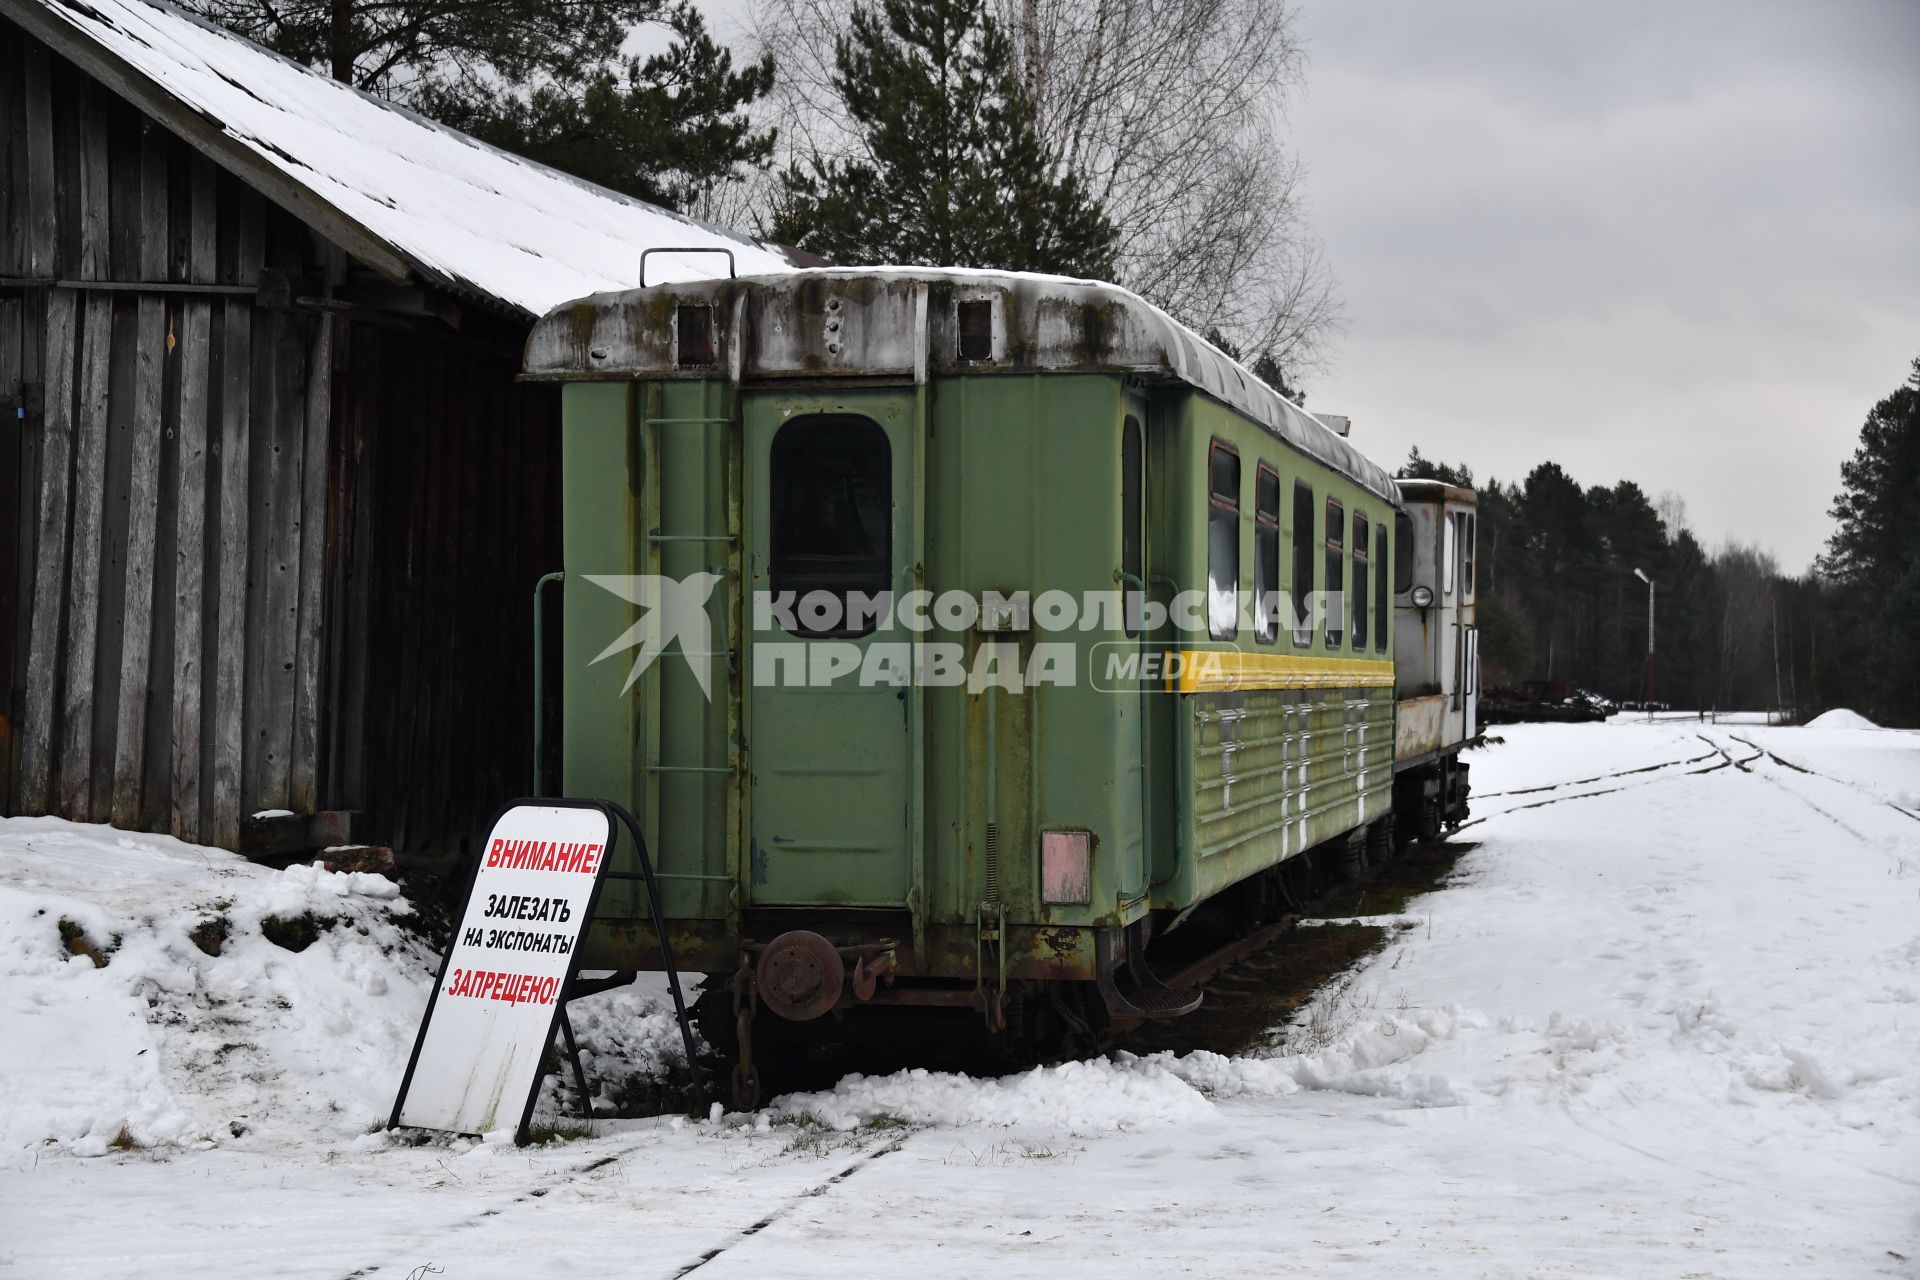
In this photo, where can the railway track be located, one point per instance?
(1252, 986)
(1627, 780)
(1815, 773)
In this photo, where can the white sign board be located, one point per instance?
(491, 1017)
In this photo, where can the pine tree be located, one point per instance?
(543, 78)
(953, 173)
(396, 47)
(1873, 559)
(1878, 507)
(1420, 467)
(669, 130)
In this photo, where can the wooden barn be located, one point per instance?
(274, 503)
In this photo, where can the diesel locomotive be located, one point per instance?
(963, 638)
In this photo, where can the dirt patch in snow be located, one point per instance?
(1247, 1005)
(1251, 1005)
(1386, 890)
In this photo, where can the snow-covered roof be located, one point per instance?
(1040, 323)
(400, 193)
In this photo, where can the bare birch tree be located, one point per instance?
(1746, 575)
(1170, 114)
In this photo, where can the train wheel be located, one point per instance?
(1380, 842)
(1350, 859)
(1297, 882)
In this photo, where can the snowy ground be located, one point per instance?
(1666, 1023)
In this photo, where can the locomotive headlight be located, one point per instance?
(1422, 596)
(1066, 868)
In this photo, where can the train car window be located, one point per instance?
(1336, 583)
(1266, 554)
(1469, 524)
(1223, 541)
(1380, 588)
(1402, 553)
(1360, 568)
(693, 332)
(1302, 584)
(1133, 561)
(1449, 548)
(831, 507)
(976, 330)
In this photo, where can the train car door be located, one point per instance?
(1135, 755)
(1466, 646)
(830, 696)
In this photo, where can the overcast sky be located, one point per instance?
(1677, 243)
(1672, 241)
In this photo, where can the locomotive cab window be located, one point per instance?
(1467, 534)
(1380, 603)
(1359, 580)
(1266, 554)
(831, 501)
(1402, 553)
(1223, 541)
(1302, 585)
(1335, 586)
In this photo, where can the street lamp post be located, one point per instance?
(1649, 581)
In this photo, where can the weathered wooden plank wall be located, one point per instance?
(265, 556)
(133, 576)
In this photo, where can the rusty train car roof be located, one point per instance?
(903, 322)
(1436, 491)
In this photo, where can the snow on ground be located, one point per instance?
(1666, 1023)
(1841, 718)
(169, 1044)
(1549, 755)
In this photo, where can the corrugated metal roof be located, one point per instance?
(396, 189)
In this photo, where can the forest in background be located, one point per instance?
(1138, 141)
(1147, 147)
(1558, 598)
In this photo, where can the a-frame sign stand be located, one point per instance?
(513, 965)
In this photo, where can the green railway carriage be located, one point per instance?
(1089, 704)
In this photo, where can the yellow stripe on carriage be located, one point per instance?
(1215, 670)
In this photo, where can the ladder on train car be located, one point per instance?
(654, 423)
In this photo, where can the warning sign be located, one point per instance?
(477, 1061)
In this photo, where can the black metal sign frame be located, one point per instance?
(617, 816)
